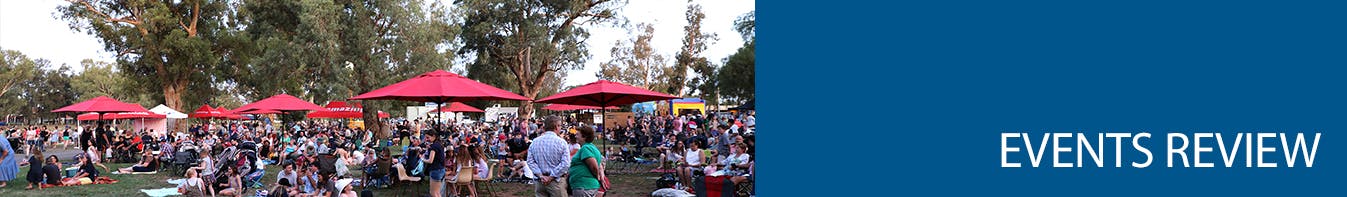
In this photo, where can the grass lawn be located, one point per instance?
(127, 185)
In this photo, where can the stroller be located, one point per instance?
(125, 152)
(243, 158)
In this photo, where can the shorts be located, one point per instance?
(437, 175)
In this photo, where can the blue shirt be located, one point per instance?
(549, 155)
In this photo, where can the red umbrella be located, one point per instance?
(280, 102)
(339, 109)
(101, 104)
(565, 107)
(440, 87)
(259, 111)
(206, 112)
(230, 114)
(119, 115)
(604, 93)
(458, 107)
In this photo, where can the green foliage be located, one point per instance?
(32, 88)
(638, 64)
(46, 91)
(694, 44)
(333, 50)
(15, 70)
(172, 46)
(747, 25)
(737, 76)
(98, 79)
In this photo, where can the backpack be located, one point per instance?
(666, 181)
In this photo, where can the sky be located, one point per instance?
(32, 28)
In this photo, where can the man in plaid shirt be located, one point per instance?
(549, 158)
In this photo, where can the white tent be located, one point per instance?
(171, 117)
(166, 111)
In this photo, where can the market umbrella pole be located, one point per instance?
(438, 116)
(603, 124)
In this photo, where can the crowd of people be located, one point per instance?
(321, 158)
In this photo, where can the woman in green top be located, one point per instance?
(586, 175)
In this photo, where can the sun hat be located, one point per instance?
(341, 184)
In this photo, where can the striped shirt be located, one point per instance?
(549, 155)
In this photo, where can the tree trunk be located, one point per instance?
(526, 107)
(173, 93)
(173, 98)
(369, 114)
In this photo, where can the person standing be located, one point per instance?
(547, 158)
(434, 164)
(586, 175)
(86, 138)
(9, 167)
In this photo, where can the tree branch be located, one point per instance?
(571, 20)
(196, 14)
(126, 51)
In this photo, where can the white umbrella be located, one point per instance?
(169, 112)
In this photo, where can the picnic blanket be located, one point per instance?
(670, 192)
(136, 173)
(161, 192)
(176, 181)
(100, 180)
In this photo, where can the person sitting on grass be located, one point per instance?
(308, 180)
(52, 170)
(148, 163)
(346, 189)
(34, 169)
(233, 185)
(194, 186)
(288, 173)
(86, 174)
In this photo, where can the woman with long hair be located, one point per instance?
(86, 172)
(34, 169)
(233, 183)
(148, 163)
(467, 168)
(434, 165)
